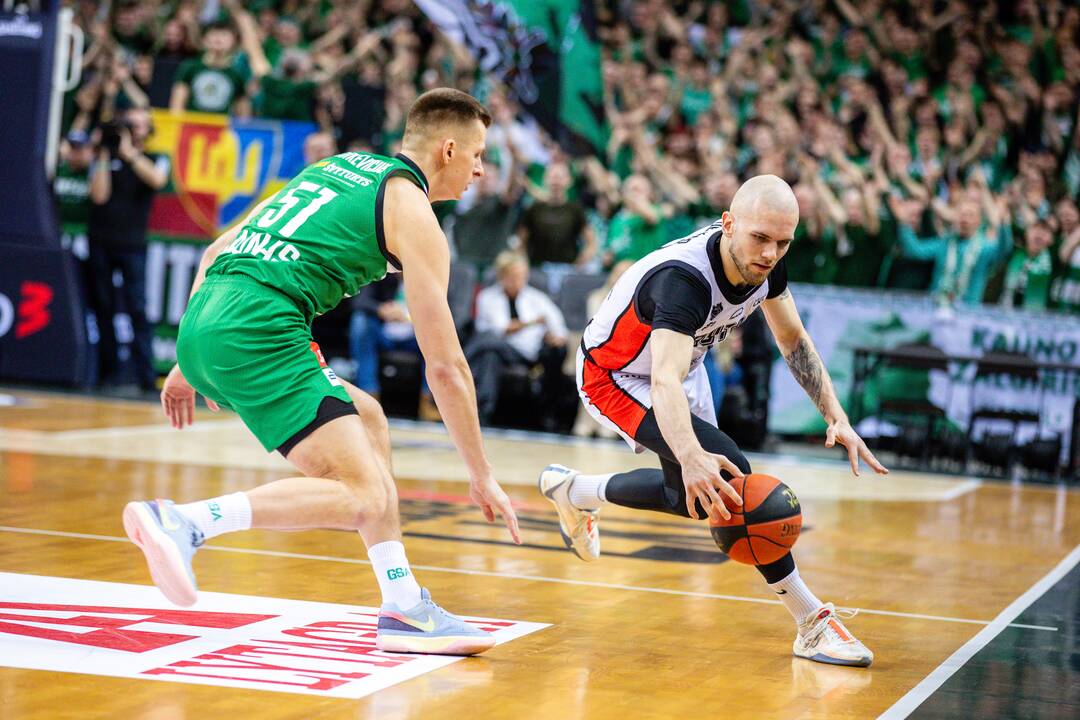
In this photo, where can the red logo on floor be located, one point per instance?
(289, 645)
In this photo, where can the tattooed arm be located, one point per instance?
(801, 356)
(805, 364)
(809, 371)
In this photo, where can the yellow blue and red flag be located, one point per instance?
(221, 168)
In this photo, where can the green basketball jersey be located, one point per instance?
(320, 238)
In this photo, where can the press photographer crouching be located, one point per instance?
(123, 181)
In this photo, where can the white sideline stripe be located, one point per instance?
(963, 488)
(163, 427)
(512, 576)
(929, 684)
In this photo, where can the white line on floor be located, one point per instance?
(160, 428)
(514, 576)
(918, 694)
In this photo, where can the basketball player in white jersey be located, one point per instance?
(640, 374)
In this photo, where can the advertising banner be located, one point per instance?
(842, 319)
(42, 332)
(221, 168)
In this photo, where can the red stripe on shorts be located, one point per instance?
(612, 401)
(628, 338)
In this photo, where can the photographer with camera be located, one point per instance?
(123, 181)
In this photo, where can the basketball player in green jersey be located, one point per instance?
(245, 343)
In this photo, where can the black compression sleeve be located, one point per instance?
(674, 299)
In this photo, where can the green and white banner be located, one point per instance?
(547, 54)
(841, 319)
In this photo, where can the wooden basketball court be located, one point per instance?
(941, 569)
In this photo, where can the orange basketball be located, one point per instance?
(765, 527)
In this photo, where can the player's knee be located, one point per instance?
(740, 460)
(733, 454)
(373, 503)
(371, 413)
(676, 501)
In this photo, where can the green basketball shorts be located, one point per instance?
(247, 347)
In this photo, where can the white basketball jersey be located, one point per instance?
(617, 338)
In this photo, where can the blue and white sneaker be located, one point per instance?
(168, 540)
(427, 628)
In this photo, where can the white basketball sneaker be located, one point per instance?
(823, 638)
(579, 528)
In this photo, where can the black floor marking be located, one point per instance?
(1021, 673)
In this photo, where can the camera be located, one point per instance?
(110, 135)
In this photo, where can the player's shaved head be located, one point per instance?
(764, 194)
(758, 229)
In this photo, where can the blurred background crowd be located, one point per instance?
(932, 145)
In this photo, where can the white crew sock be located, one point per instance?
(796, 597)
(587, 492)
(215, 516)
(396, 580)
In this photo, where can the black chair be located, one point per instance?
(995, 448)
(400, 382)
(537, 396)
(400, 372)
(539, 279)
(573, 297)
(915, 440)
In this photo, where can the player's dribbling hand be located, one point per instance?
(842, 432)
(701, 476)
(178, 399)
(492, 499)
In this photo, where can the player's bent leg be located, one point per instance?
(341, 451)
(374, 419)
(344, 486)
(663, 490)
(821, 635)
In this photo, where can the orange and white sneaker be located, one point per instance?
(579, 528)
(823, 638)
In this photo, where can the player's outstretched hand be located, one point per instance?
(178, 399)
(493, 500)
(842, 432)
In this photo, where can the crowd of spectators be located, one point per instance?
(921, 138)
(933, 145)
